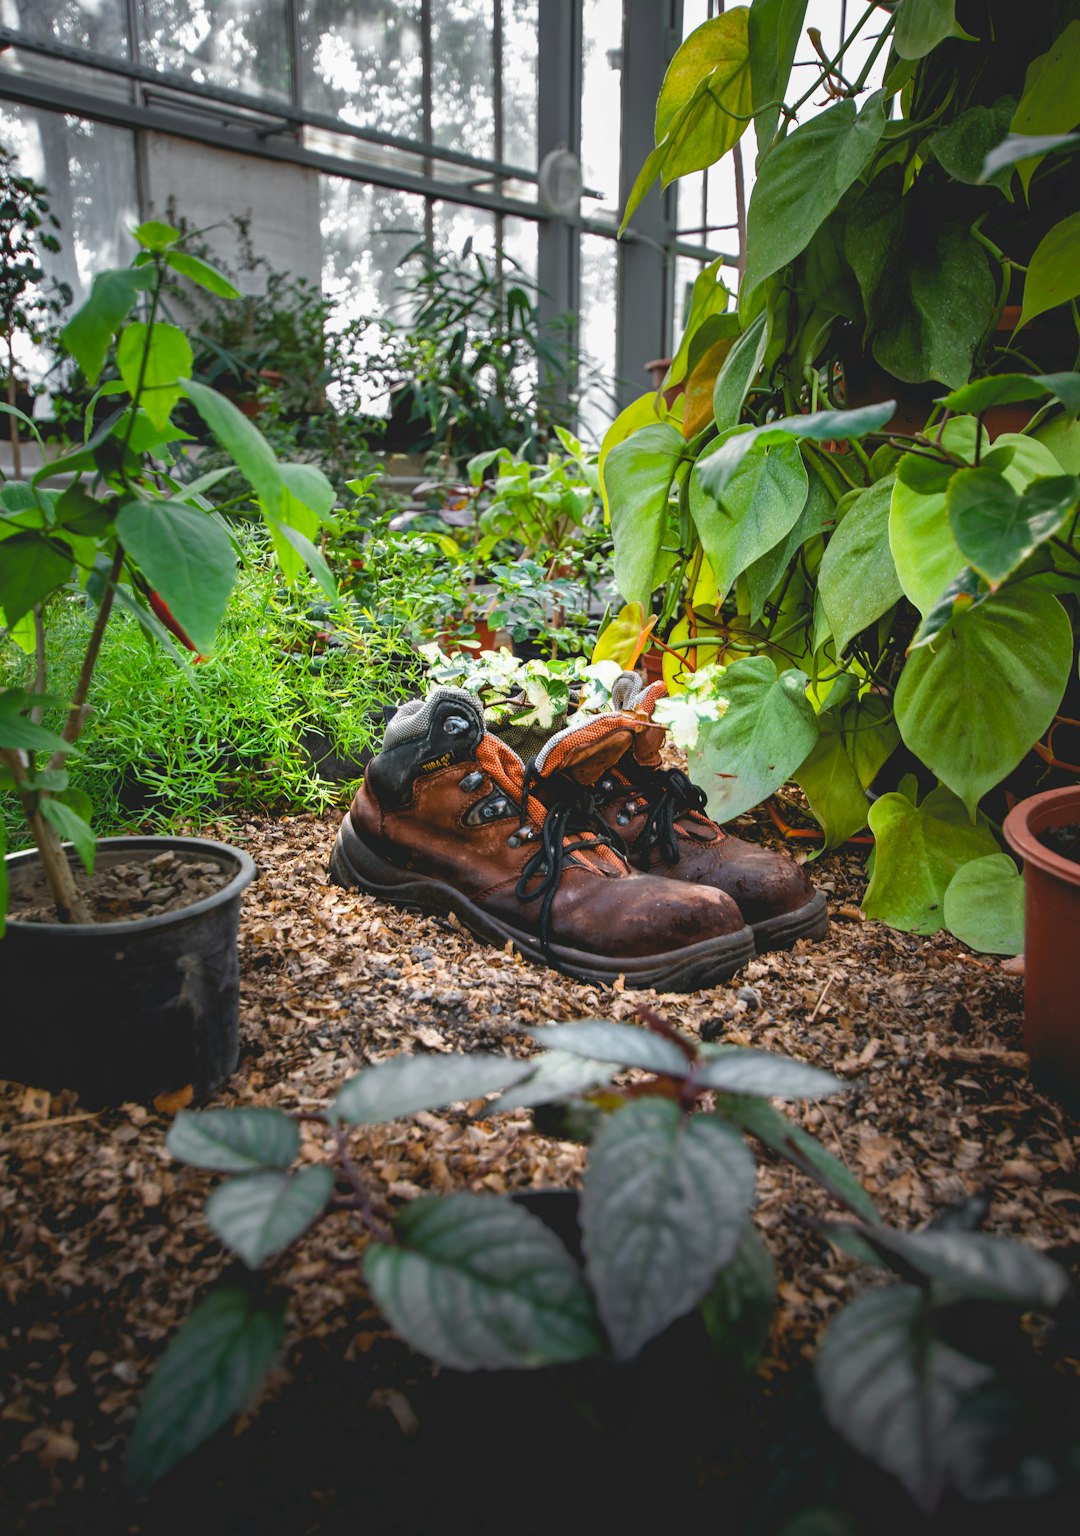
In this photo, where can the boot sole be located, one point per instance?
(810, 921)
(353, 863)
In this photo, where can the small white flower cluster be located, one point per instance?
(699, 702)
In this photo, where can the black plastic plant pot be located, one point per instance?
(126, 1010)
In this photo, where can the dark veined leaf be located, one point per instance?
(984, 905)
(798, 1147)
(31, 567)
(736, 1070)
(774, 30)
(625, 1045)
(995, 528)
(404, 1084)
(188, 559)
(234, 1140)
(211, 1370)
(665, 1202)
(738, 1311)
(89, 333)
(556, 1075)
(479, 1283)
(262, 1213)
(203, 273)
(893, 1390)
(973, 1265)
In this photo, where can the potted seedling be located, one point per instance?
(119, 963)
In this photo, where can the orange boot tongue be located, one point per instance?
(585, 752)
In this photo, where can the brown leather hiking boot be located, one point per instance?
(446, 821)
(660, 817)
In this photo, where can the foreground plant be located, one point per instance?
(126, 530)
(478, 1282)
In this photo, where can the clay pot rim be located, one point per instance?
(1051, 808)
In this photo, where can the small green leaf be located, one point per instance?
(157, 359)
(774, 32)
(995, 529)
(664, 1206)
(557, 1075)
(922, 24)
(816, 426)
(1051, 100)
(479, 1283)
(759, 505)
(234, 1140)
(624, 1045)
(155, 236)
(1015, 147)
(1011, 388)
(857, 578)
(262, 1213)
(88, 334)
(773, 1128)
(310, 555)
(211, 1370)
(203, 273)
(32, 566)
(918, 851)
(638, 477)
(737, 1070)
(984, 905)
(72, 827)
(974, 1265)
(187, 558)
(1053, 274)
(405, 1084)
(738, 372)
(18, 732)
(767, 732)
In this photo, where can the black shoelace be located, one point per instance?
(575, 812)
(670, 794)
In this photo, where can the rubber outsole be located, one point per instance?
(810, 921)
(353, 863)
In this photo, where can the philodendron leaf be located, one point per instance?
(767, 732)
(259, 1215)
(479, 1283)
(638, 476)
(918, 851)
(738, 371)
(857, 578)
(241, 439)
(1053, 275)
(187, 557)
(1016, 147)
(775, 29)
(211, 1370)
(893, 1390)
(735, 1070)
(984, 905)
(799, 1148)
(234, 1140)
(624, 1045)
(1014, 388)
(855, 742)
(922, 24)
(664, 1205)
(995, 528)
(816, 427)
(738, 1311)
(974, 1265)
(972, 704)
(1051, 99)
(765, 574)
(802, 179)
(556, 1075)
(758, 507)
(404, 1084)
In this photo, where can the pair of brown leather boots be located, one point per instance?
(591, 857)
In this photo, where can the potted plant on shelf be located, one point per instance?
(891, 572)
(147, 1003)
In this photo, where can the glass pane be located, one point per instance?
(462, 76)
(242, 45)
(601, 106)
(99, 26)
(455, 224)
(520, 250)
(361, 60)
(88, 170)
(599, 283)
(519, 82)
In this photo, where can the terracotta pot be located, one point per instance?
(651, 663)
(1051, 938)
(657, 369)
(485, 638)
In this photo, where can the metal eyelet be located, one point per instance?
(606, 785)
(471, 781)
(456, 725)
(623, 819)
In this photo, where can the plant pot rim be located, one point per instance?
(1051, 808)
(202, 846)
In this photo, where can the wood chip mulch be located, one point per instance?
(104, 1249)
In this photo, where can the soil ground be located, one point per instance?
(104, 1248)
